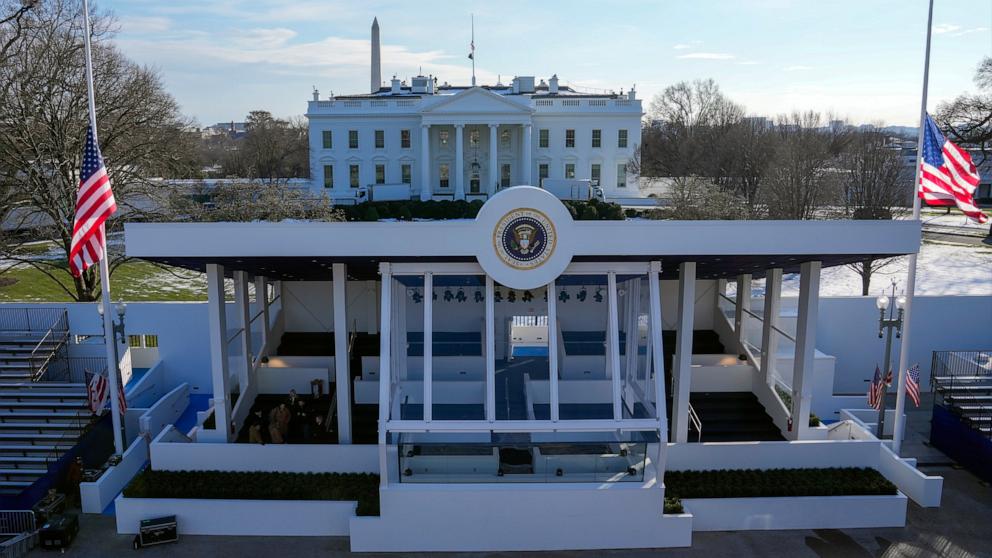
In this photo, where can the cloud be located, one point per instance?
(952, 30)
(942, 28)
(707, 56)
(686, 46)
(144, 24)
(265, 38)
(797, 68)
(749, 62)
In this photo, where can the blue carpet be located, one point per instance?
(197, 402)
(530, 352)
(136, 375)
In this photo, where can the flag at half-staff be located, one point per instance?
(94, 204)
(948, 176)
(875, 390)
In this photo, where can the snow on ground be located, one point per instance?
(942, 269)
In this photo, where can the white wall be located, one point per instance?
(289, 458)
(308, 305)
(96, 496)
(165, 411)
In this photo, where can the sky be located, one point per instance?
(861, 60)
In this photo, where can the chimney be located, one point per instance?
(632, 95)
(316, 94)
(553, 84)
(516, 85)
(376, 66)
(395, 86)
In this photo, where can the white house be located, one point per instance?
(468, 142)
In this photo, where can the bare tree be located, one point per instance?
(271, 149)
(43, 121)
(251, 200)
(968, 118)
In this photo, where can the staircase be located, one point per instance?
(963, 381)
(732, 417)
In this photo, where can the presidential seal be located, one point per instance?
(524, 238)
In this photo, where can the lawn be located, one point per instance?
(134, 281)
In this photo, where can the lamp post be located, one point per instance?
(896, 308)
(113, 372)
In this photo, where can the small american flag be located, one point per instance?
(875, 390)
(888, 378)
(913, 384)
(97, 392)
(94, 204)
(947, 174)
(121, 399)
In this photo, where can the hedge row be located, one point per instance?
(229, 485)
(593, 210)
(755, 483)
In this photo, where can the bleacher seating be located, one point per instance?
(969, 396)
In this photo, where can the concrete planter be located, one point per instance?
(300, 518)
(806, 512)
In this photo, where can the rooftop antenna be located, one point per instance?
(471, 54)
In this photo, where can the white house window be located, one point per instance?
(622, 138)
(442, 137)
(353, 175)
(597, 138)
(380, 174)
(405, 139)
(504, 175)
(621, 175)
(473, 138)
(504, 138)
(569, 170)
(380, 139)
(352, 139)
(327, 139)
(542, 173)
(474, 184)
(328, 176)
(543, 138)
(444, 170)
(595, 172)
(570, 138)
(406, 172)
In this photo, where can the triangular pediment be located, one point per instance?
(476, 101)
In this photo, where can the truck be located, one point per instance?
(384, 192)
(573, 189)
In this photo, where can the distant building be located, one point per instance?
(232, 129)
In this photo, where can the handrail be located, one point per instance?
(695, 421)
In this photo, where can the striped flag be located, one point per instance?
(96, 390)
(121, 399)
(94, 204)
(888, 378)
(913, 384)
(875, 390)
(947, 174)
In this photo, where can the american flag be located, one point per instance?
(913, 384)
(94, 204)
(97, 392)
(875, 390)
(121, 399)
(947, 174)
(888, 378)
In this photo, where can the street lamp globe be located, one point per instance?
(901, 302)
(882, 302)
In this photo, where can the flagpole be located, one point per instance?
(473, 50)
(109, 335)
(899, 426)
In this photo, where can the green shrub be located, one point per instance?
(755, 483)
(224, 485)
(460, 209)
(673, 506)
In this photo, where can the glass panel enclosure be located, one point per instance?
(407, 372)
(636, 384)
(521, 325)
(458, 362)
(584, 386)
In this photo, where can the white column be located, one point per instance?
(740, 315)
(613, 342)
(384, 361)
(262, 305)
(217, 327)
(802, 371)
(769, 338)
(490, 350)
(658, 357)
(493, 159)
(428, 346)
(553, 350)
(459, 161)
(527, 174)
(425, 162)
(682, 361)
(342, 359)
(244, 316)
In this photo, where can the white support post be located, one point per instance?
(658, 357)
(262, 305)
(527, 175)
(244, 316)
(493, 159)
(459, 161)
(769, 337)
(802, 372)
(384, 368)
(490, 350)
(682, 360)
(613, 343)
(217, 319)
(425, 163)
(553, 350)
(342, 359)
(428, 346)
(743, 303)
